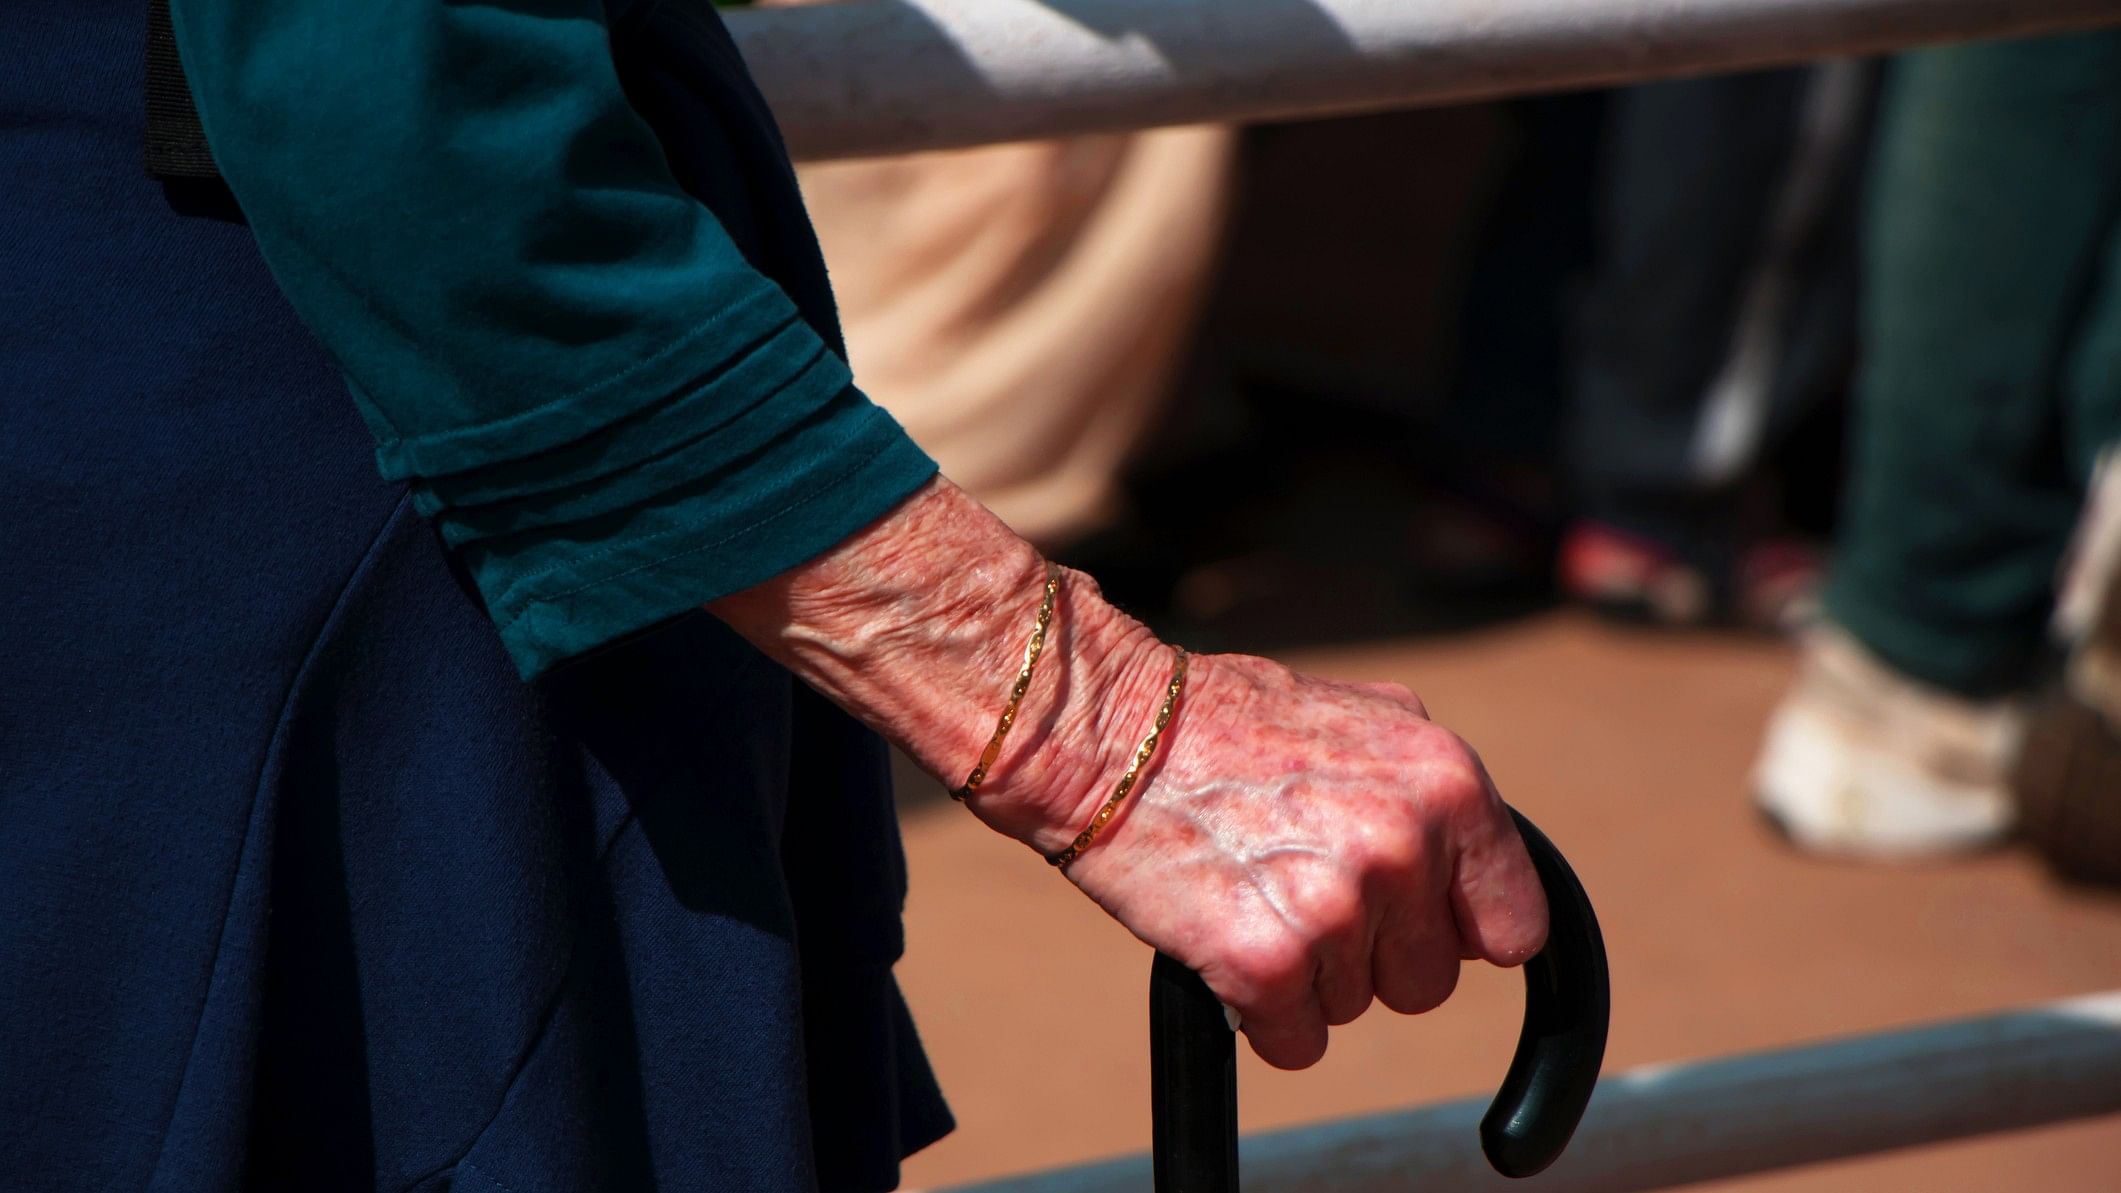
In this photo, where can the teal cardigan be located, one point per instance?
(593, 339)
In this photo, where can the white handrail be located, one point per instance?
(1665, 1125)
(881, 76)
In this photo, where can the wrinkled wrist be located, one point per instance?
(1082, 719)
(917, 625)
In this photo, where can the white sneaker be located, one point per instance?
(1861, 761)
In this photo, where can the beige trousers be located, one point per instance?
(1021, 308)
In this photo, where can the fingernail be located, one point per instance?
(1231, 1017)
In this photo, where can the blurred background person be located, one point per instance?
(1991, 380)
(1664, 295)
(1719, 315)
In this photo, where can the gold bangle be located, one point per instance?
(1032, 650)
(1142, 754)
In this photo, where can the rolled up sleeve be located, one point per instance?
(609, 413)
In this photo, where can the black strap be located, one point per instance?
(176, 141)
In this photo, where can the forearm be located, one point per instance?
(917, 624)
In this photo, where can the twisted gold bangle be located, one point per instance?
(1032, 650)
(1142, 754)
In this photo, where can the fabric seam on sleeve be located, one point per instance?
(516, 612)
(428, 493)
(415, 454)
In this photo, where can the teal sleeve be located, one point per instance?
(610, 414)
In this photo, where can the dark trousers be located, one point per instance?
(1667, 284)
(1723, 300)
(1992, 340)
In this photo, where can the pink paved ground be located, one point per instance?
(1631, 752)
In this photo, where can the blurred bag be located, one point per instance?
(2068, 777)
(1022, 309)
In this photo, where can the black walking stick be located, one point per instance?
(1193, 1055)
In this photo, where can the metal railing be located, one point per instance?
(1665, 1125)
(883, 76)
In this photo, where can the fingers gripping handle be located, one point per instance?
(1193, 1058)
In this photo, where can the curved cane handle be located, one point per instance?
(1567, 1003)
(1193, 1062)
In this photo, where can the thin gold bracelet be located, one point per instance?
(1032, 650)
(1142, 754)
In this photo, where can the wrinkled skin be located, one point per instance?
(1308, 846)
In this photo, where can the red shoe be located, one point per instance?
(1637, 579)
(1632, 578)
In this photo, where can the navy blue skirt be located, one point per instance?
(300, 886)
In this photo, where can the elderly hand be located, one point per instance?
(1309, 845)
(1305, 845)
